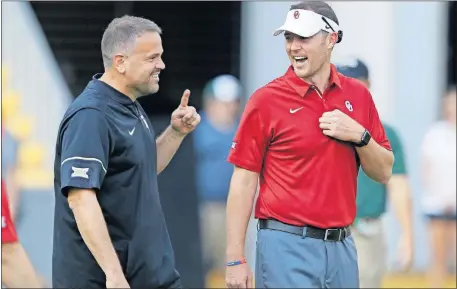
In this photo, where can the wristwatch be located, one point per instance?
(366, 136)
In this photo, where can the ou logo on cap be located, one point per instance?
(296, 14)
(348, 105)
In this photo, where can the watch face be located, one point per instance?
(366, 137)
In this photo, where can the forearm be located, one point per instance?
(239, 209)
(167, 145)
(92, 227)
(376, 161)
(400, 198)
(17, 270)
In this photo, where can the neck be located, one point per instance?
(321, 78)
(113, 80)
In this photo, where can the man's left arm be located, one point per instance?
(376, 158)
(183, 121)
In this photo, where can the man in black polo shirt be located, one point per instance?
(109, 228)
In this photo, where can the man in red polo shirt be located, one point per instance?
(303, 136)
(17, 271)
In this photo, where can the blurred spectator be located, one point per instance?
(438, 158)
(213, 137)
(10, 148)
(371, 203)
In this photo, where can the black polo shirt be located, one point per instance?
(106, 143)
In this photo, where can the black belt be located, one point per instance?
(336, 234)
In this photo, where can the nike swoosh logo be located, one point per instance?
(295, 110)
(132, 131)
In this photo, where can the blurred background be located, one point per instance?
(222, 52)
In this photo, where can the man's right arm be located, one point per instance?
(92, 227)
(246, 155)
(85, 147)
(239, 208)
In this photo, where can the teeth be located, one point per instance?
(155, 76)
(299, 58)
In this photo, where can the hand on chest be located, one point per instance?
(307, 124)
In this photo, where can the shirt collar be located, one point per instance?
(302, 87)
(111, 91)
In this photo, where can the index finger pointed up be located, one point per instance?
(185, 98)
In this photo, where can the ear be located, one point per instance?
(332, 39)
(119, 63)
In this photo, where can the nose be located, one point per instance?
(295, 45)
(161, 64)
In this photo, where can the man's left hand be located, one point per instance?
(340, 126)
(185, 118)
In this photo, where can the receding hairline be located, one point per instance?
(319, 7)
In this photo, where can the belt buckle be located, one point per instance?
(329, 230)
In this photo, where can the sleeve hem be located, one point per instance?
(244, 164)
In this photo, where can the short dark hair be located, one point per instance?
(121, 34)
(319, 7)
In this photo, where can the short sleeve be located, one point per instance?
(399, 167)
(85, 151)
(250, 142)
(376, 128)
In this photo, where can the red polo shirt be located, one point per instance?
(8, 230)
(306, 178)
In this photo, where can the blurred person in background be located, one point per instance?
(10, 147)
(371, 203)
(438, 162)
(212, 140)
(17, 270)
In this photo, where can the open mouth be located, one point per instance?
(300, 59)
(155, 76)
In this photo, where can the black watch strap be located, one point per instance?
(366, 137)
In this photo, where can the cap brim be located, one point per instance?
(303, 32)
(305, 23)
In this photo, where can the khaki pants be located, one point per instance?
(371, 251)
(212, 220)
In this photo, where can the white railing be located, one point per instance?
(33, 73)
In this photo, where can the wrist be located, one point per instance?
(176, 133)
(236, 262)
(358, 134)
(114, 274)
(234, 256)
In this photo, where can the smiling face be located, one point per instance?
(309, 54)
(144, 64)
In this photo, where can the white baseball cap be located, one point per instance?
(225, 88)
(306, 23)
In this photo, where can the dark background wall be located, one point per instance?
(201, 40)
(452, 31)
